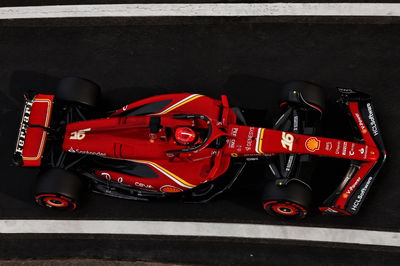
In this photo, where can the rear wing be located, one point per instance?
(351, 193)
(32, 133)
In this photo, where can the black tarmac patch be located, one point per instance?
(245, 61)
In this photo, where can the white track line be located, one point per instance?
(176, 10)
(234, 230)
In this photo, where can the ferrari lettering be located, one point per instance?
(287, 141)
(79, 135)
(21, 138)
(23, 127)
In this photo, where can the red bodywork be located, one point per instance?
(32, 139)
(124, 137)
(129, 138)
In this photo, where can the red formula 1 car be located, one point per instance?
(191, 146)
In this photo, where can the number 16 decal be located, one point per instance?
(287, 141)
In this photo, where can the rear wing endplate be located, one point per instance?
(32, 135)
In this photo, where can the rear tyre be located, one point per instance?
(292, 200)
(303, 93)
(58, 189)
(78, 90)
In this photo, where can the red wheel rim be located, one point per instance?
(285, 209)
(51, 200)
(55, 202)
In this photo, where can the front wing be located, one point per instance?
(351, 193)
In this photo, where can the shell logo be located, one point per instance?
(312, 144)
(170, 189)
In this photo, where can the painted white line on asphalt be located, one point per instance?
(233, 230)
(175, 10)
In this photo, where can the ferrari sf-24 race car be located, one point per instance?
(192, 147)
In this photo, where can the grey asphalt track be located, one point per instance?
(246, 61)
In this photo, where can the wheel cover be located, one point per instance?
(285, 209)
(55, 201)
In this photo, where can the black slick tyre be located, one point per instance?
(78, 90)
(292, 200)
(303, 93)
(58, 189)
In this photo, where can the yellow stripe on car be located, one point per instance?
(180, 103)
(260, 140)
(169, 174)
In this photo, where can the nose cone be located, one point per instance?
(185, 135)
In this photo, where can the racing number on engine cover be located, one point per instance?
(287, 141)
(79, 135)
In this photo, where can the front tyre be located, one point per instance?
(292, 200)
(58, 189)
(304, 94)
